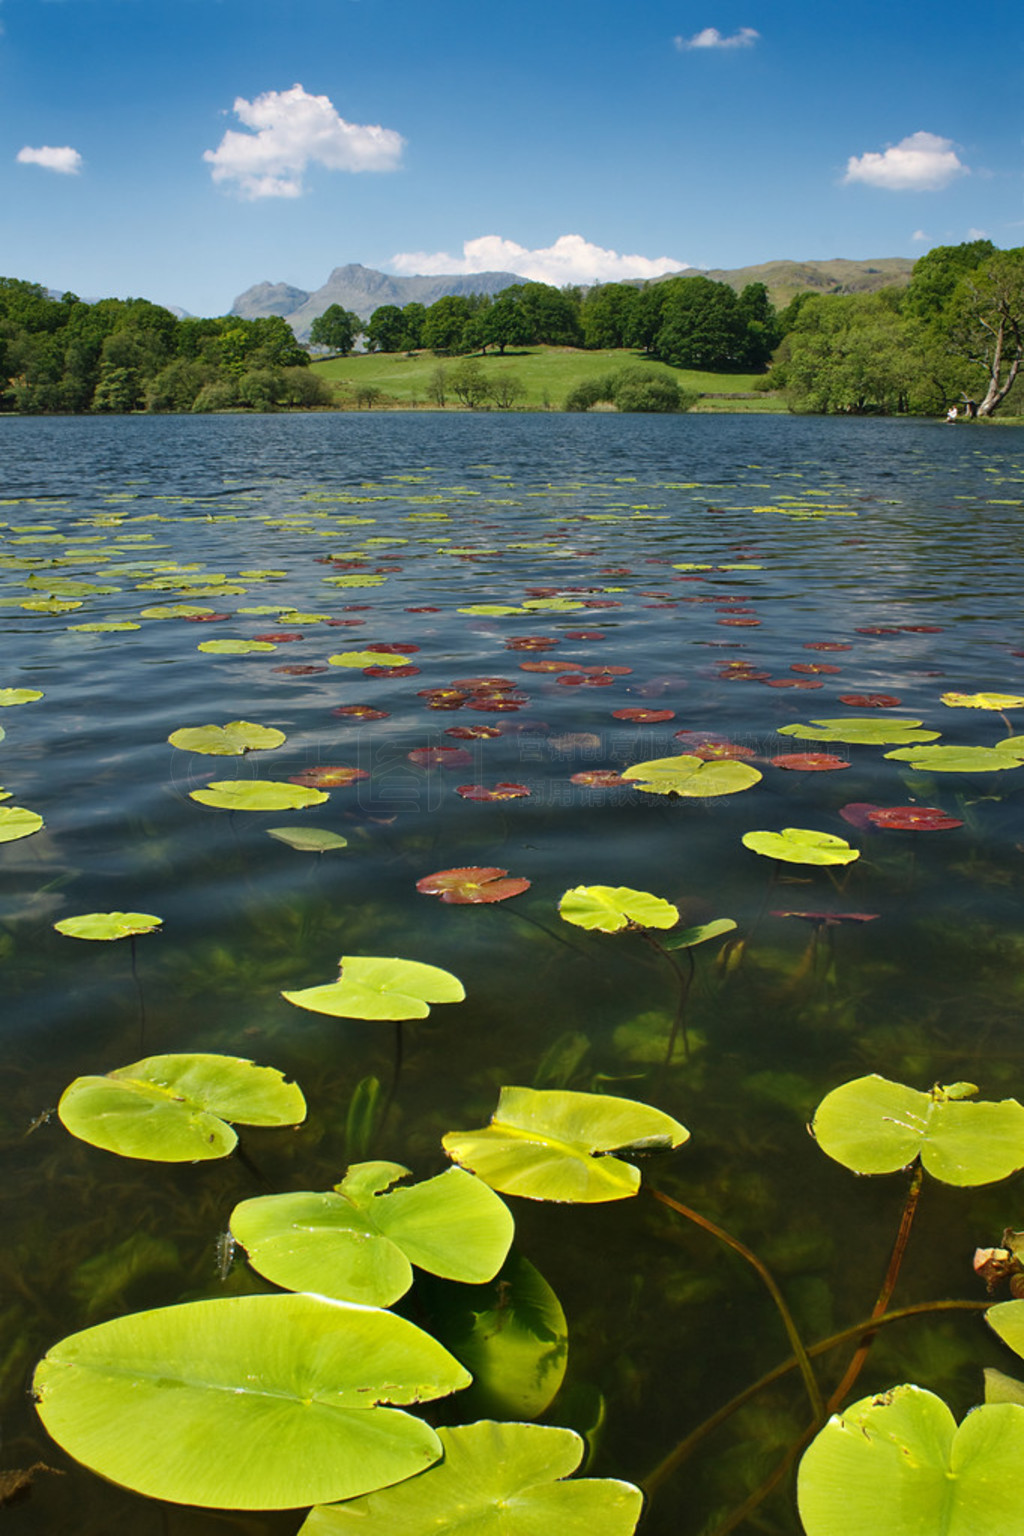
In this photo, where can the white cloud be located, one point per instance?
(977, 234)
(924, 162)
(710, 37)
(65, 160)
(919, 234)
(292, 130)
(570, 260)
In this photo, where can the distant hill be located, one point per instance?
(364, 289)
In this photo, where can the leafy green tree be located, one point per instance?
(119, 389)
(853, 354)
(414, 315)
(552, 315)
(701, 326)
(336, 328)
(937, 274)
(468, 383)
(386, 330)
(505, 390)
(505, 323)
(760, 325)
(606, 315)
(444, 324)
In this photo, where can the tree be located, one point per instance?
(854, 354)
(386, 330)
(937, 273)
(701, 325)
(760, 325)
(505, 323)
(336, 328)
(505, 390)
(468, 383)
(607, 315)
(413, 314)
(444, 324)
(986, 325)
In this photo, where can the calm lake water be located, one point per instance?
(899, 546)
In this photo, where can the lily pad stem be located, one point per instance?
(685, 980)
(796, 1343)
(684, 1450)
(142, 1000)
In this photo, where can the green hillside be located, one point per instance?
(546, 375)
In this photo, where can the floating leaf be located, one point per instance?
(691, 777)
(896, 1462)
(867, 731)
(873, 1125)
(361, 712)
(502, 791)
(997, 701)
(871, 700)
(911, 818)
(611, 908)
(644, 716)
(441, 757)
(495, 1480)
(358, 1243)
(328, 776)
(473, 884)
(686, 938)
(810, 762)
(799, 845)
(16, 822)
(19, 696)
(600, 778)
(257, 795)
(363, 659)
(108, 925)
(247, 1402)
(308, 839)
(957, 759)
(551, 1144)
(178, 1108)
(372, 987)
(235, 647)
(231, 740)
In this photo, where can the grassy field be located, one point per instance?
(547, 375)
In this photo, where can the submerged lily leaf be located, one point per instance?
(611, 908)
(896, 1462)
(257, 795)
(16, 822)
(358, 1243)
(308, 839)
(247, 1402)
(687, 938)
(692, 777)
(873, 1125)
(178, 1108)
(231, 740)
(495, 1480)
(552, 1144)
(108, 925)
(800, 845)
(372, 987)
(866, 730)
(472, 885)
(958, 759)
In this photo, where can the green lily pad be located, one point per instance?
(368, 659)
(359, 1243)
(108, 925)
(611, 908)
(179, 1108)
(175, 611)
(257, 795)
(19, 695)
(16, 822)
(230, 740)
(247, 1402)
(495, 1480)
(897, 1463)
(552, 1144)
(687, 938)
(958, 759)
(372, 987)
(511, 1333)
(103, 629)
(308, 839)
(234, 647)
(692, 777)
(491, 610)
(998, 701)
(856, 730)
(799, 845)
(873, 1125)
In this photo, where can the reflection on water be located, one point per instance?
(717, 559)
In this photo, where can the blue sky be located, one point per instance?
(182, 150)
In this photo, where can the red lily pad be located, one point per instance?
(550, 665)
(206, 618)
(483, 684)
(810, 762)
(739, 623)
(871, 700)
(912, 818)
(472, 732)
(440, 757)
(502, 791)
(391, 671)
(813, 666)
(530, 643)
(472, 885)
(601, 778)
(280, 637)
(825, 645)
(327, 776)
(830, 919)
(644, 716)
(423, 610)
(300, 670)
(600, 602)
(441, 693)
(921, 629)
(345, 624)
(791, 682)
(361, 712)
(393, 650)
(711, 748)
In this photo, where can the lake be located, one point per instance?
(729, 576)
